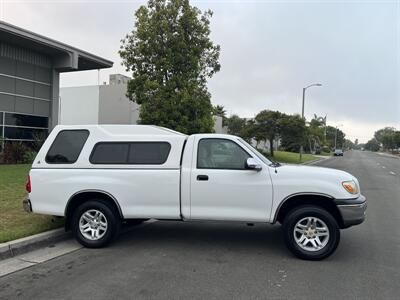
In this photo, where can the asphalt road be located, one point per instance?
(175, 260)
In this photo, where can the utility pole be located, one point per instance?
(302, 111)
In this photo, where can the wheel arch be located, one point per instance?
(85, 195)
(318, 199)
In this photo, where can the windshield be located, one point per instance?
(255, 152)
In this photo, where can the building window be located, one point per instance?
(19, 133)
(21, 127)
(26, 120)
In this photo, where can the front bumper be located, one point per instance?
(26, 204)
(352, 210)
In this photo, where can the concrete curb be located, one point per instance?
(316, 161)
(26, 244)
(388, 155)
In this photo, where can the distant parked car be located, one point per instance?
(338, 152)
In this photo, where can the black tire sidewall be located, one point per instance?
(311, 211)
(113, 223)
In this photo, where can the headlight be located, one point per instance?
(350, 186)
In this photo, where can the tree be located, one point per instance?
(357, 145)
(379, 134)
(397, 139)
(171, 56)
(319, 121)
(316, 133)
(292, 132)
(251, 131)
(348, 144)
(269, 126)
(372, 145)
(219, 110)
(388, 137)
(235, 124)
(330, 137)
(388, 142)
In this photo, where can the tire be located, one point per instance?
(301, 237)
(105, 213)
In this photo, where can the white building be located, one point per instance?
(218, 127)
(103, 104)
(98, 104)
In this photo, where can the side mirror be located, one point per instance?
(252, 164)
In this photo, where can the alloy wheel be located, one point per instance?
(311, 234)
(93, 224)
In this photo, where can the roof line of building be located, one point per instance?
(15, 30)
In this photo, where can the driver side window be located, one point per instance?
(220, 154)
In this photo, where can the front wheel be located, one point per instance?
(95, 224)
(311, 232)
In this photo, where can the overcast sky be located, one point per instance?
(270, 50)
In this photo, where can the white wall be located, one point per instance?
(218, 127)
(104, 104)
(115, 107)
(79, 105)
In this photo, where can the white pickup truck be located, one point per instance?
(98, 176)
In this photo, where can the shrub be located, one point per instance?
(326, 149)
(14, 152)
(38, 140)
(29, 156)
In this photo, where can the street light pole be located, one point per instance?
(302, 111)
(302, 107)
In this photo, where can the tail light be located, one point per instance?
(28, 186)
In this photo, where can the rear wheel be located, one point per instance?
(311, 232)
(95, 223)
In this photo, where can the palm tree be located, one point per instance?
(219, 110)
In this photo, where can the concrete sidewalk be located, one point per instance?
(29, 243)
(32, 250)
(37, 256)
(319, 159)
(388, 155)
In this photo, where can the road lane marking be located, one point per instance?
(393, 173)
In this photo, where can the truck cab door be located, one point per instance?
(222, 187)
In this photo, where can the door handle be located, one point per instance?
(202, 177)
